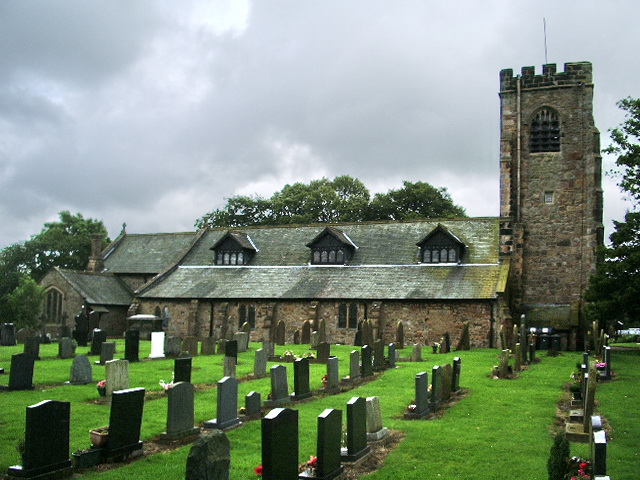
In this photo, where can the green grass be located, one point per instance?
(500, 430)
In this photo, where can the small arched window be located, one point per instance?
(545, 132)
(53, 306)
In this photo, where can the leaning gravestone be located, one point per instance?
(66, 348)
(209, 457)
(117, 376)
(157, 345)
(356, 431)
(226, 406)
(280, 444)
(81, 372)
(20, 373)
(125, 420)
(46, 442)
(99, 337)
(375, 430)
(132, 345)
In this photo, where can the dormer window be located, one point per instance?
(234, 248)
(441, 246)
(331, 247)
(545, 132)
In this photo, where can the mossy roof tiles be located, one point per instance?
(98, 288)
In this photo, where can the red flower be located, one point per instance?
(313, 462)
(258, 470)
(583, 466)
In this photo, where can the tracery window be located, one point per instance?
(545, 132)
(53, 306)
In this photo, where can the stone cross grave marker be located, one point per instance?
(356, 431)
(132, 345)
(209, 457)
(125, 420)
(301, 379)
(180, 412)
(117, 376)
(280, 444)
(375, 430)
(81, 371)
(226, 406)
(66, 348)
(46, 441)
(157, 345)
(182, 369)
(260, 363)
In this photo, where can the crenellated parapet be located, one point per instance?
(575, 73)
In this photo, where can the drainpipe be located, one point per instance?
(518, 147)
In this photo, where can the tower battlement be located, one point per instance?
(574, 73)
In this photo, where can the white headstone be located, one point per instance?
(157, 345)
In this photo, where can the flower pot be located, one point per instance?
(99, 436)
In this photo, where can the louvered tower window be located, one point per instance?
(545, 132)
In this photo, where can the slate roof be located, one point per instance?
(385, 266)
(98, 288)
(145, 253)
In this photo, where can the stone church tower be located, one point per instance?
(550, 192)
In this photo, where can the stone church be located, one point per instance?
(434, 275)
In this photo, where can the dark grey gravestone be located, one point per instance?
(209, 458)
(322, 331)
(585, 358)
(392, 355)
(421, 402)
(589, 399)
(354, 365)
(446, 343)
(333, 376)
(22, 334)
(21, 372)
(400, 335)
(173, 346)
(132, 345)
(260, 363)
(356, 430)
(182, 369)
(607, 361)
(366, 367)
(306, 332)
(221, 344)
(7, 335)
(81, 331)
(125, 420)
(227, 405)
(252, 403)
(246, 328)
(46, 441)
(231, 349)
(328, 464)
(269, 347)
(532, 352)
(357, 339)
(190, 346)
(436, 387)
(296, 337)
(32, 347)
(279, 385)
(544, 341)
(323, 352)
(280, 444)
(66, 348)
(301, 388)
(208, 346)
(379, 362)
(280, 333)
(180, 412)
(107, 351)
(81, 372)
(599, 452)
(447, 380)
(99, 337)
(455, 378)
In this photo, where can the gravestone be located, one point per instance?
(22, 334)
(296, 337)
(243, 341)
(517, 358)
(354, 365)
(585, 358)
(230, 358)
(375, 430)
(590, 397)
(446, 343)
(323, 352)
(357, 340)
(421, 401)
(465, 338)
(81, 330)
(99, 337)
(253, 403)
(436, 387)
(66, 348)
(269, 347)
(368, 333)
(417, 353)
(315, 339)
(246, 328)
(125, 420)
(606, 375)
(226, 406)
(107, 351)
(260, 363)
(132, 345)
(7, 334)
(32, 347)
(301, 388)
(180, 412)
(447, 381)
(81, 371)
(280, 444)
(279, 386)
(182, 370)
(366, 367)
(157, 345)
(173, 346)
(333, 376)
(503, 367)
(46, 442)
(400, 335)
(117, 376)
(356, 431)
(455, 377)
(190, 346)
(209, 458)
(328, 464)
(322, 331)
(379, 362)
(599, 453)
(392, 355)
(280, 333)
(208, 346)
(532, 353)
(306, 332)
(222, 343)
(20, 372)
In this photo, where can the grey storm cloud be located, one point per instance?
(153, 112)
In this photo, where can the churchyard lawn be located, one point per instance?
(502, 429)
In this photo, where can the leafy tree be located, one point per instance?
(65, 243)
(343, 199)
(26, 302)
(614, 291)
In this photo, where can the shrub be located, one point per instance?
(558, 458)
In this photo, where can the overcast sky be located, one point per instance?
(154, 112)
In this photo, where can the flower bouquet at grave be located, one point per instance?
(325, 381)
(579, 469)
(310, 466)
(166, 386)
(102, 387)
(436, 347)
(258, 470)
(411, 408)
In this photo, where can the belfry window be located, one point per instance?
(545, 132)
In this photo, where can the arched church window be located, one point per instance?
(545, 132)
